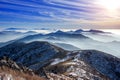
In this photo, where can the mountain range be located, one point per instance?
(93, 31)
(60, 55)
(50, 61)
(100, 40)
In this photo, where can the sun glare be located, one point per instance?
(109, 4)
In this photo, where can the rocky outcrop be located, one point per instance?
(5, 76)
(76, 69)
(6, 62)
(52, 76)
(9, 70)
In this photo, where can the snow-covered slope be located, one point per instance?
(33, 55)
(88, 64)
(104, 63)
(44, 57)
(77, 70)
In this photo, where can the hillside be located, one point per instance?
(48, 60)
(9, 70)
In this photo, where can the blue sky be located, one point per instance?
(57, 14)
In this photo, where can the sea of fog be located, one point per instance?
(108, 43)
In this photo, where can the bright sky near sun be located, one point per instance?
(60, 13)
(110, 4)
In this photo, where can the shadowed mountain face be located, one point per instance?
(29, 54)
(104, 63)
(43, 57)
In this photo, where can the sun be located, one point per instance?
(109, 4)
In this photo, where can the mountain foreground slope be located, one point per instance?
(9, 70)
(55, 63)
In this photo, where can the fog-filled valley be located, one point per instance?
(68, 40)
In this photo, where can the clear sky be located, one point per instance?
(60, 13)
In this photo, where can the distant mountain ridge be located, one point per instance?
(81, 41)
(12, 35)
(13, 29)
(79, 31)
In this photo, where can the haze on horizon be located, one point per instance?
(60, 14)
